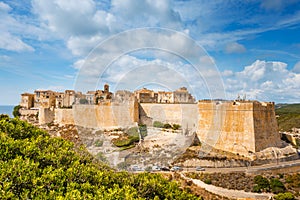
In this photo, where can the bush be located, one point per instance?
(207, 181)
(277, 186)
(167, 126)
(284, 196)
(16, 112)
(176, 126)
(133, 131)
(34, 165)
(125, 142)
(262, 184)
(143, 130)
(98, 143)
(158, 124)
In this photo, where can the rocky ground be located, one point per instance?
(241, 181)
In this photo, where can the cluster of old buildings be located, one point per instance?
(180, 95)
(52, 99)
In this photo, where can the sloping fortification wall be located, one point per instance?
(184, 114)
(227, 125)
(46, 115)
(265, 126)
(107, 115)
(64, 116)
(238, 127)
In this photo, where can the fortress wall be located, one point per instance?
(28, 112)
(184, 114)
(64, 116)
(45, 115)
(227, 126)
(265, 126)
(106, 115)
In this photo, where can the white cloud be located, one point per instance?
(4, 7)
(67, 18)
(13, 43)
(10, 31)
(296, 68)
(235, 47)
(265, 81)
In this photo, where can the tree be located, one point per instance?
(83, 101)
(16, 112)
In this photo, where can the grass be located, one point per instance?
(289, 116)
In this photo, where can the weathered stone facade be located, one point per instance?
(242, 127)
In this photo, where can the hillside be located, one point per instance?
(288, 116)
(34, 165)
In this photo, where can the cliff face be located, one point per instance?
(238, 127)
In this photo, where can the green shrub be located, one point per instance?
(133, 131)
(284, 196)
(143, 130)
(34, 165)
(158, 124)
(176, 126)
(277, 186)
(262, 184)
(16, 112)
(98, 143)
(207, 181)
(167, 126)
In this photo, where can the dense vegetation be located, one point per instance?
(289, 116)
(34, 165)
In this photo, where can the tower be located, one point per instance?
(106, 88)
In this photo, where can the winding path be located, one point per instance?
(236, 194)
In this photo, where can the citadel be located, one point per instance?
(239, 126)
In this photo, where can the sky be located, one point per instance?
(218, 49)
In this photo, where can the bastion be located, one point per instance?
(242, 127)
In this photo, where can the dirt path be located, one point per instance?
(235, 194)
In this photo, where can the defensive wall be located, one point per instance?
(184, 114)
(242, 127)
(107, 115)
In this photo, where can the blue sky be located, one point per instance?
(253, 45)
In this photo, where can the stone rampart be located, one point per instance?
(46, 115)
(240, 127)
(64, 116)
(104, 116)
(184, 114)
(265, 126)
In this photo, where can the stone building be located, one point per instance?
(182, 95)
(27, 100)
(165, 97)
(123, 96)
(90, 96)
(44, 98)
(145, 95)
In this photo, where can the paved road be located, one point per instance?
(251, 169)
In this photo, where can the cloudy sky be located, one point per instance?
(219, 48)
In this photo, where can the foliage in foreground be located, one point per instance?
(35, 166)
